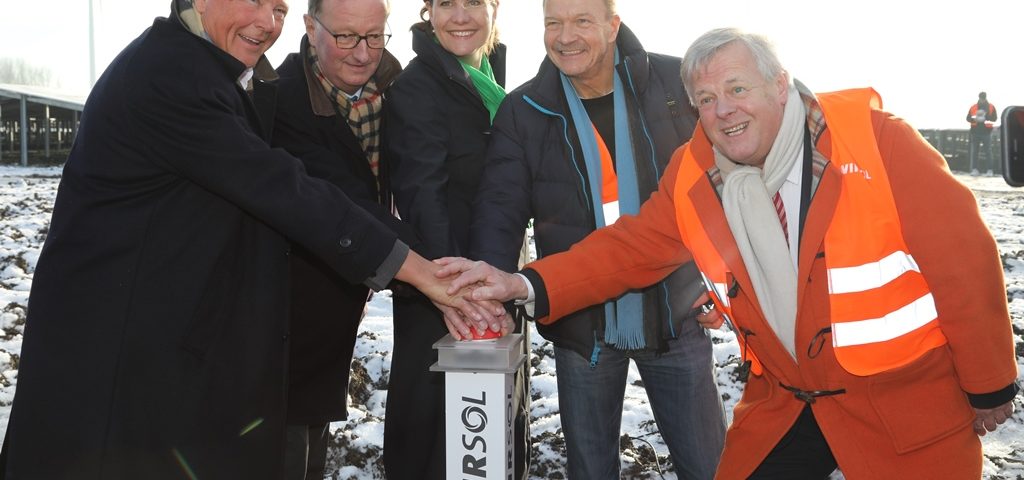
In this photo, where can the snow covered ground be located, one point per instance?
(26, 197)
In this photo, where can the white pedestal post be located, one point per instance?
(479, 405)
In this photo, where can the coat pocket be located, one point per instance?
(921, 403)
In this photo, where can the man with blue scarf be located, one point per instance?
(584, 141)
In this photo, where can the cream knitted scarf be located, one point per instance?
(747, 200)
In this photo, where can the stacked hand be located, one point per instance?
(461, 311)
(478, 284)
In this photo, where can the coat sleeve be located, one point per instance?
(958, 257)
(417, 149)
(194, 128)
(634, 252)
(501, 209)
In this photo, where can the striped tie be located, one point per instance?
(780, 209)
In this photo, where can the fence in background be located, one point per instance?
(56, 140)
(955, 145)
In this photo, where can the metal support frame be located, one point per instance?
(46, 131)
(24, 130)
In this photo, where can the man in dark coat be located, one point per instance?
(545, 162)
(328, 115)
(157, 331)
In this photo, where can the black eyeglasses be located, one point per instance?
(349, 41)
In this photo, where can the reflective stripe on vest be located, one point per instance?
(715, 272)
(883, 313)
(609, 181)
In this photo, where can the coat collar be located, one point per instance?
(262, 72)
(820, 211)
(321, 104)
(819, 214)
(436, 57)
(824, 195)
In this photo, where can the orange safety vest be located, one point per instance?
(609, 181)
(716, 275)
(883, 312)
(974, 110)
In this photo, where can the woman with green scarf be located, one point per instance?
(437, 121)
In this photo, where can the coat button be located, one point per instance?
(345, 242)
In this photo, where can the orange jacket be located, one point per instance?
(883, 313)
(990, 116)
(911, 422)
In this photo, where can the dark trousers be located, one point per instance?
(981, 144)
(802, 454)
(414, 415)
(305, 452)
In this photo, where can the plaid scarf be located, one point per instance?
(363, 115)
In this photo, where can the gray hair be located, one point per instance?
(708, 45)
(315, 6)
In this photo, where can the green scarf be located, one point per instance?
(483, 79)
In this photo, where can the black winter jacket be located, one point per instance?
(437, 131)
(535, 169)
(157, 324)
(325, 308)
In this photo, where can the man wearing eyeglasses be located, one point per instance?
(328, 115)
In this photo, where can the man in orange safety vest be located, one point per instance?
(865, 289)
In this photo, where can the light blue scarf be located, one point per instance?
(624, 316)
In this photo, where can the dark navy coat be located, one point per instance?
(156, 336)
(535, 169)
(326, 308)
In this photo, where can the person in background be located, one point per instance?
(438, 119)
(330, 95)
(585, 139)
(157, 330)
(980, 116)
(876, 342)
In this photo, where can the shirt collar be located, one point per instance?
(355, 96)
(245, 78)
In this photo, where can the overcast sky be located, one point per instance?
(928, 59)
